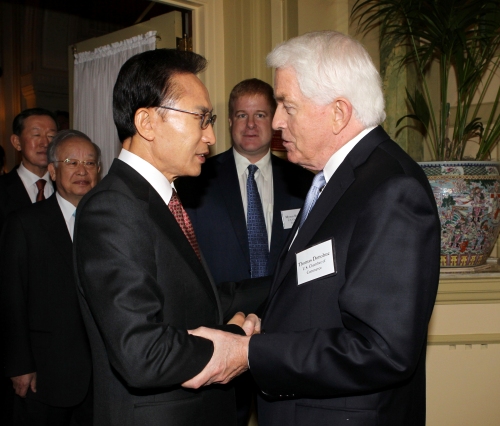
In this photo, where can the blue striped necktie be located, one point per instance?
(256, 228)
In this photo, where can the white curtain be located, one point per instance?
(94, 77)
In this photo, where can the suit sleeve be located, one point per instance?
(391, 277)
(17, 355)
(116, 268)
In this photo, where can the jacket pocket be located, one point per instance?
(183, 412)
(325, 416)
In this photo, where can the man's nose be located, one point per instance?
(45, 141)
(251, 122)
(208, 135)
(81, 169)
(279, 118)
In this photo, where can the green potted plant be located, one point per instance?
(462, 39)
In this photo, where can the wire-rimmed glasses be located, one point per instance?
(206, 118)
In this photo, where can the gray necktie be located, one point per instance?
(313, 194)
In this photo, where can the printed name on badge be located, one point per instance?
(289, 217)
(316, 262)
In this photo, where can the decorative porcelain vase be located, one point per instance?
(468, 198)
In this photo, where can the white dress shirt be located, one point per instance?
(155, 178)
(337, 159)
(68, 210)
(29, 181)
(264, 180)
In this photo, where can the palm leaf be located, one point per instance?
(461, 35)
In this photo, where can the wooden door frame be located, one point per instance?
(208, 40)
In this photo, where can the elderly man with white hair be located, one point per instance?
(344, 331)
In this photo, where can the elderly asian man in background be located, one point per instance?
(46, 349)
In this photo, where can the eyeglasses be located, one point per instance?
(72, 163)
(206, 118)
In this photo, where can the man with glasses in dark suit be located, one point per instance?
(141, 277)
(45, 347)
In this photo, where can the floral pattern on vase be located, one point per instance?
(468, 198)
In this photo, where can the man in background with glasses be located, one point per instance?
(46, 351)
(141, 276)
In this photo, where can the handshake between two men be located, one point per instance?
(230, 356)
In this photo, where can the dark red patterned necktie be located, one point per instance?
(40, 184)
(182, 219)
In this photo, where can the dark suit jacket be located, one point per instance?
(213, 202)
(13, 194)
(42, 325)
(141, 286)
(349, 349)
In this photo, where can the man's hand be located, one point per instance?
(250, 324)
(22, 383)
(230, 357)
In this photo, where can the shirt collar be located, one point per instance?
(29, 177)
(264, 164)
(66, 207)
(338, 157)
(155, 178)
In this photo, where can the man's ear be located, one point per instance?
(16, 142)
(230, 122)
(143, 120)
(52, 171)
(341, 113)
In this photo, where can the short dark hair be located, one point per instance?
(62, 136)
(252, 86)
(18, 123)
(146, 80)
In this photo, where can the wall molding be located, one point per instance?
(464, 339)
(471, 288)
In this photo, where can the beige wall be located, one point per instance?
(463, 355)
(247, 41)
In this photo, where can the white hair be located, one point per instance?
(328, 65)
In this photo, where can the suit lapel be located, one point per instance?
(161, 215)
(52, 220)
(230, 189)
(331, 194)
(341, 180)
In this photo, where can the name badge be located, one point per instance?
(316, 262)
(289, 217)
